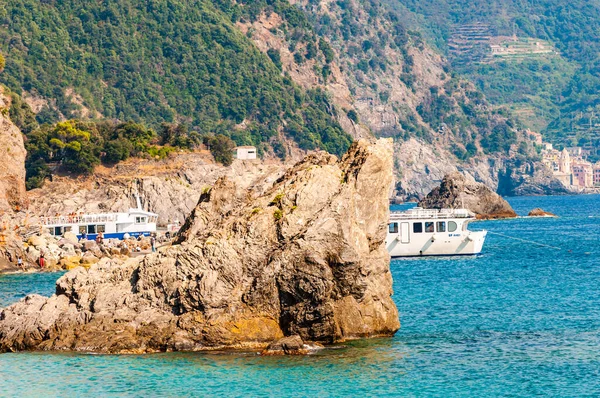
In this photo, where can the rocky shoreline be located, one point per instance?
(60, 253)
(305, 257)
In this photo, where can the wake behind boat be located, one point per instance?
(432, 232)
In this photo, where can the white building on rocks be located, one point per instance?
(245, 152)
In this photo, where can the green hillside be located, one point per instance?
(562, 88)
(174, 61)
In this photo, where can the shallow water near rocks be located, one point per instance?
(519, 320)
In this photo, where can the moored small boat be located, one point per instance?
(134, 223)
(432, 232)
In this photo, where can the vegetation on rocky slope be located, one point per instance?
(390, 67)
(177, 61)
(193, 65)
(560, 89)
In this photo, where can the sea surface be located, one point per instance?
(523, 319)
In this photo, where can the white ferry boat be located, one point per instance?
(135, 222)
(431, 232)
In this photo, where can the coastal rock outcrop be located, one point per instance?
(13, 195)
(531, 178)
(458, 191)
(305, 257)
(290, 345)
(537, 212)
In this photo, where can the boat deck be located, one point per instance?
(423, 214)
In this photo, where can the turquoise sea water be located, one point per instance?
(520, 320)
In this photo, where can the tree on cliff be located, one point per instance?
(221, 148)
(74, 147)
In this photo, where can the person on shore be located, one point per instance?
(20, 262)
(84, 236)
(99, 238)
(42, 260)
(153, 243)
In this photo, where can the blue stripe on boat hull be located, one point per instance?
(117, 235)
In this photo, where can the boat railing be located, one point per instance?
(79, 219)
(418, 213)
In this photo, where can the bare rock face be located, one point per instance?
(537, 212)
(457, 191)
(305, 257)
(12, 167)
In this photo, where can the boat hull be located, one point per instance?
(439, 244)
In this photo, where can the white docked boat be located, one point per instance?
(431, 232)
(135, 222)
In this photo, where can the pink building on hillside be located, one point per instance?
(597, 173)
(583, 174)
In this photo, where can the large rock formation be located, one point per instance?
(458, 191)
(306, 257)
(12, 167)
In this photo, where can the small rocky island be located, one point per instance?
(537, 212)
(305, 257)
(458, 191)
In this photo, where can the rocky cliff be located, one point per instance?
(459, 191)
(304, 257)
(12, 167)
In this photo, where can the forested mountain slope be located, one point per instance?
(260, 72)
(178, 61)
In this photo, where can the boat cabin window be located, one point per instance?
(82, 229)
(57, 231)
(418, 227)
(393, 228)
(91, 229)
(429, 226)
(441, 226)
(101, 228)
(452, 226)
(140, 220)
